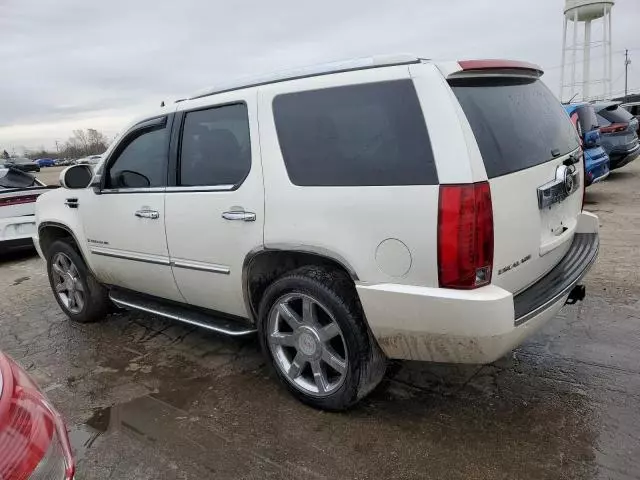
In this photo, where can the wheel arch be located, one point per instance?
(265, 264)
(49, 232)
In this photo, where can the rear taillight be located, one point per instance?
(33, 440)
(465, 235)
(5, 202)
(614, 128)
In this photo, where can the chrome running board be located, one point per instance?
(184, 314)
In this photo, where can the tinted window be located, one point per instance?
(143, 161)
(603, 122)
(616, 114)
(371, 134)
(216, 149)
(517, 122)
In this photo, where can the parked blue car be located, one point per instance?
(46, 162)
(596, 160)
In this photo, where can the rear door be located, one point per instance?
(534, 166)
(215, 205)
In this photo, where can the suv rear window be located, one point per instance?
(615, 114)
(517, 122)
(356, 135)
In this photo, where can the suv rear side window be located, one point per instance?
(142, 160)
(356, 135)
(215, 147)
(517, 122)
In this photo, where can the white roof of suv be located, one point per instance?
(314, 70)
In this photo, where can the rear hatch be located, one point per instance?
(532, 156)
(618, 127)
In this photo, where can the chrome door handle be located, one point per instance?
(147, 214)
(240, 215)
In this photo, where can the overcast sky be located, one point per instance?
(70, 64)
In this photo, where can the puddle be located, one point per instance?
(18, 281)
(139, 418)
(146, 418)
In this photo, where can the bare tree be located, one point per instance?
(83, 143)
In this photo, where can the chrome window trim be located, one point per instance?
(133, 190)
(137, 257)
(202, 267)
(201, 188)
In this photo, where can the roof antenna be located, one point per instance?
(162, 103)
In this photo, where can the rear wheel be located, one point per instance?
(77, 292)
(313, 331)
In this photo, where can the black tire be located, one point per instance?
(96, 304)
(366, 363)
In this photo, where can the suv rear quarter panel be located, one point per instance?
(373, 228)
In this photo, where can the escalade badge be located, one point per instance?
(566, 182)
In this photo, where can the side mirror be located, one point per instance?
(76, 176)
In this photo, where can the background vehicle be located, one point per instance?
(90, 160)
(46, 162)
(33, 439)
(619, 133)
(18, 194)
(633, 108)
(333, 214)
(21, 163)
(596, 160)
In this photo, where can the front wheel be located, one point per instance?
(77, 292)
(314, 333)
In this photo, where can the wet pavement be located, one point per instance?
(146, 398)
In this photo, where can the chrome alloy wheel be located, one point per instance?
(307, 344)
(67, 284)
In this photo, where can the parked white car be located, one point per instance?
(381, 208)
(18, 194)
(90, 160)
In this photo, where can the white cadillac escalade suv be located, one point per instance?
(388, 207)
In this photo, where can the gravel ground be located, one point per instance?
(149, 399)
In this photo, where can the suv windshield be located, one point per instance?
(517, 122)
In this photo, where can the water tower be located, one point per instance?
(580, 14)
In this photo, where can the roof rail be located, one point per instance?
(313, 71)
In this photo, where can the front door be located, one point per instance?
(124, 219)
(215, 209)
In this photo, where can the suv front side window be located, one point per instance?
(141, 160)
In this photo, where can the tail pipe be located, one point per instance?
(577, 294)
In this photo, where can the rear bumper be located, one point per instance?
(477, 326)
(16, 232)
(620, 158)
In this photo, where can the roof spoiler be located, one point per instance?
(470, 66)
